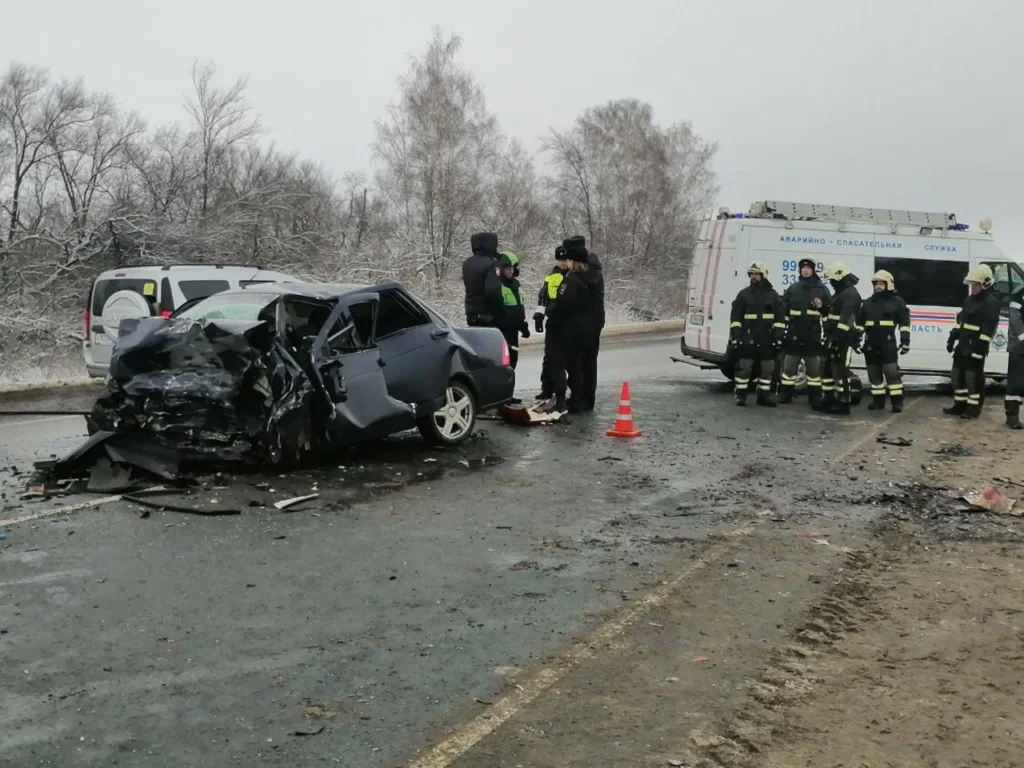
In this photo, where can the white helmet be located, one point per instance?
(758, 268)
(837, 270)
(884, 276)
(981, 274)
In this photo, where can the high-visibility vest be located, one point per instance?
(553, 281)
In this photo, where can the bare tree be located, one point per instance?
(32, 113)
(433, 150)
(634, 189)
(221, 118)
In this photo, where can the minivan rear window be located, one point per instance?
(104, 289)
(200, 289)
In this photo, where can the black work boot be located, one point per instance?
(971, 412)
(766, 399)
(741, 397)
(897, 403)
(785, 395)
(956, 409)
(840, 408)
(814, 397)
(560, 405)
(545, 395)
(1013, 415)
(877, 403)
(823, 405)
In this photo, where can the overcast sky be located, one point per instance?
(893, 104)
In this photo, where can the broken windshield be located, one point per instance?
(230, 306)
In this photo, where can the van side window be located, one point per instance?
(200, 289)
(924, 282)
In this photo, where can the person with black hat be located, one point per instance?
(568, 323)
(576, 248)
(545, 298)
(806, 301)
(512, 320)
(481, 277)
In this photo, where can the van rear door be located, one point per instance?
(102, 330)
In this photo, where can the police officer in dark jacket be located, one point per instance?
(880, 316)
(569, 322)
(1015, 367)
(756, 330)
(969, 343)
(840, 339)
(545, 298)
(576, 249)
(806, 303)
(481, 277)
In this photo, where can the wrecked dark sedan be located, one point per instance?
(277, 373)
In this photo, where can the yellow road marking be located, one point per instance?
(470, 734)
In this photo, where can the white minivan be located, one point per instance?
(150, 291)
(928, 254)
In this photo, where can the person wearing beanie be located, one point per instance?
(545, 298)
(569, 322)
(482, 280)
(591, 341)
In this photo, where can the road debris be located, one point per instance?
(991, 499)
(901, 442)
(162, 506)
(529, 414)
(286, 504)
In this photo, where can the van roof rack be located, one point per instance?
(777, 209)
(169, 267)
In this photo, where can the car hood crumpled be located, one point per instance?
(214, 389)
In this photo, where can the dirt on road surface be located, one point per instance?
(897, 645)
(738, 587)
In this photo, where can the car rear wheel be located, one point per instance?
(453, 422)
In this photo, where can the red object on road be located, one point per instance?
(624, 426)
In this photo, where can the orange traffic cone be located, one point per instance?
(624, 427)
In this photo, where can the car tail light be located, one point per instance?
(165, 314)
(506, 358)
(87, 320)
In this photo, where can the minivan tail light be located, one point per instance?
(506, 358)
(87, 320)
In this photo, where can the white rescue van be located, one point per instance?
(929, 254)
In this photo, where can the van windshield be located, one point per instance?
(230, 306)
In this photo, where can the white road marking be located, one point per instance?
(92, 503)
(43, 420)
(465, 738)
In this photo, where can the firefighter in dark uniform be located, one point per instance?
(512, 320)
(756, 329)
(806, 303)
(880, 316)
(546, 296)
(969, 343)
(568, 321)
(840, 339)
(1015, 368)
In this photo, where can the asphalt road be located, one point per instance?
(359, 629)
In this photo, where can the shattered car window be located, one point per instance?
(397, 313)
(230, 306)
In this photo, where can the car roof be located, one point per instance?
(311, 290)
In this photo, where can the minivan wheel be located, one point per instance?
(453, 422)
